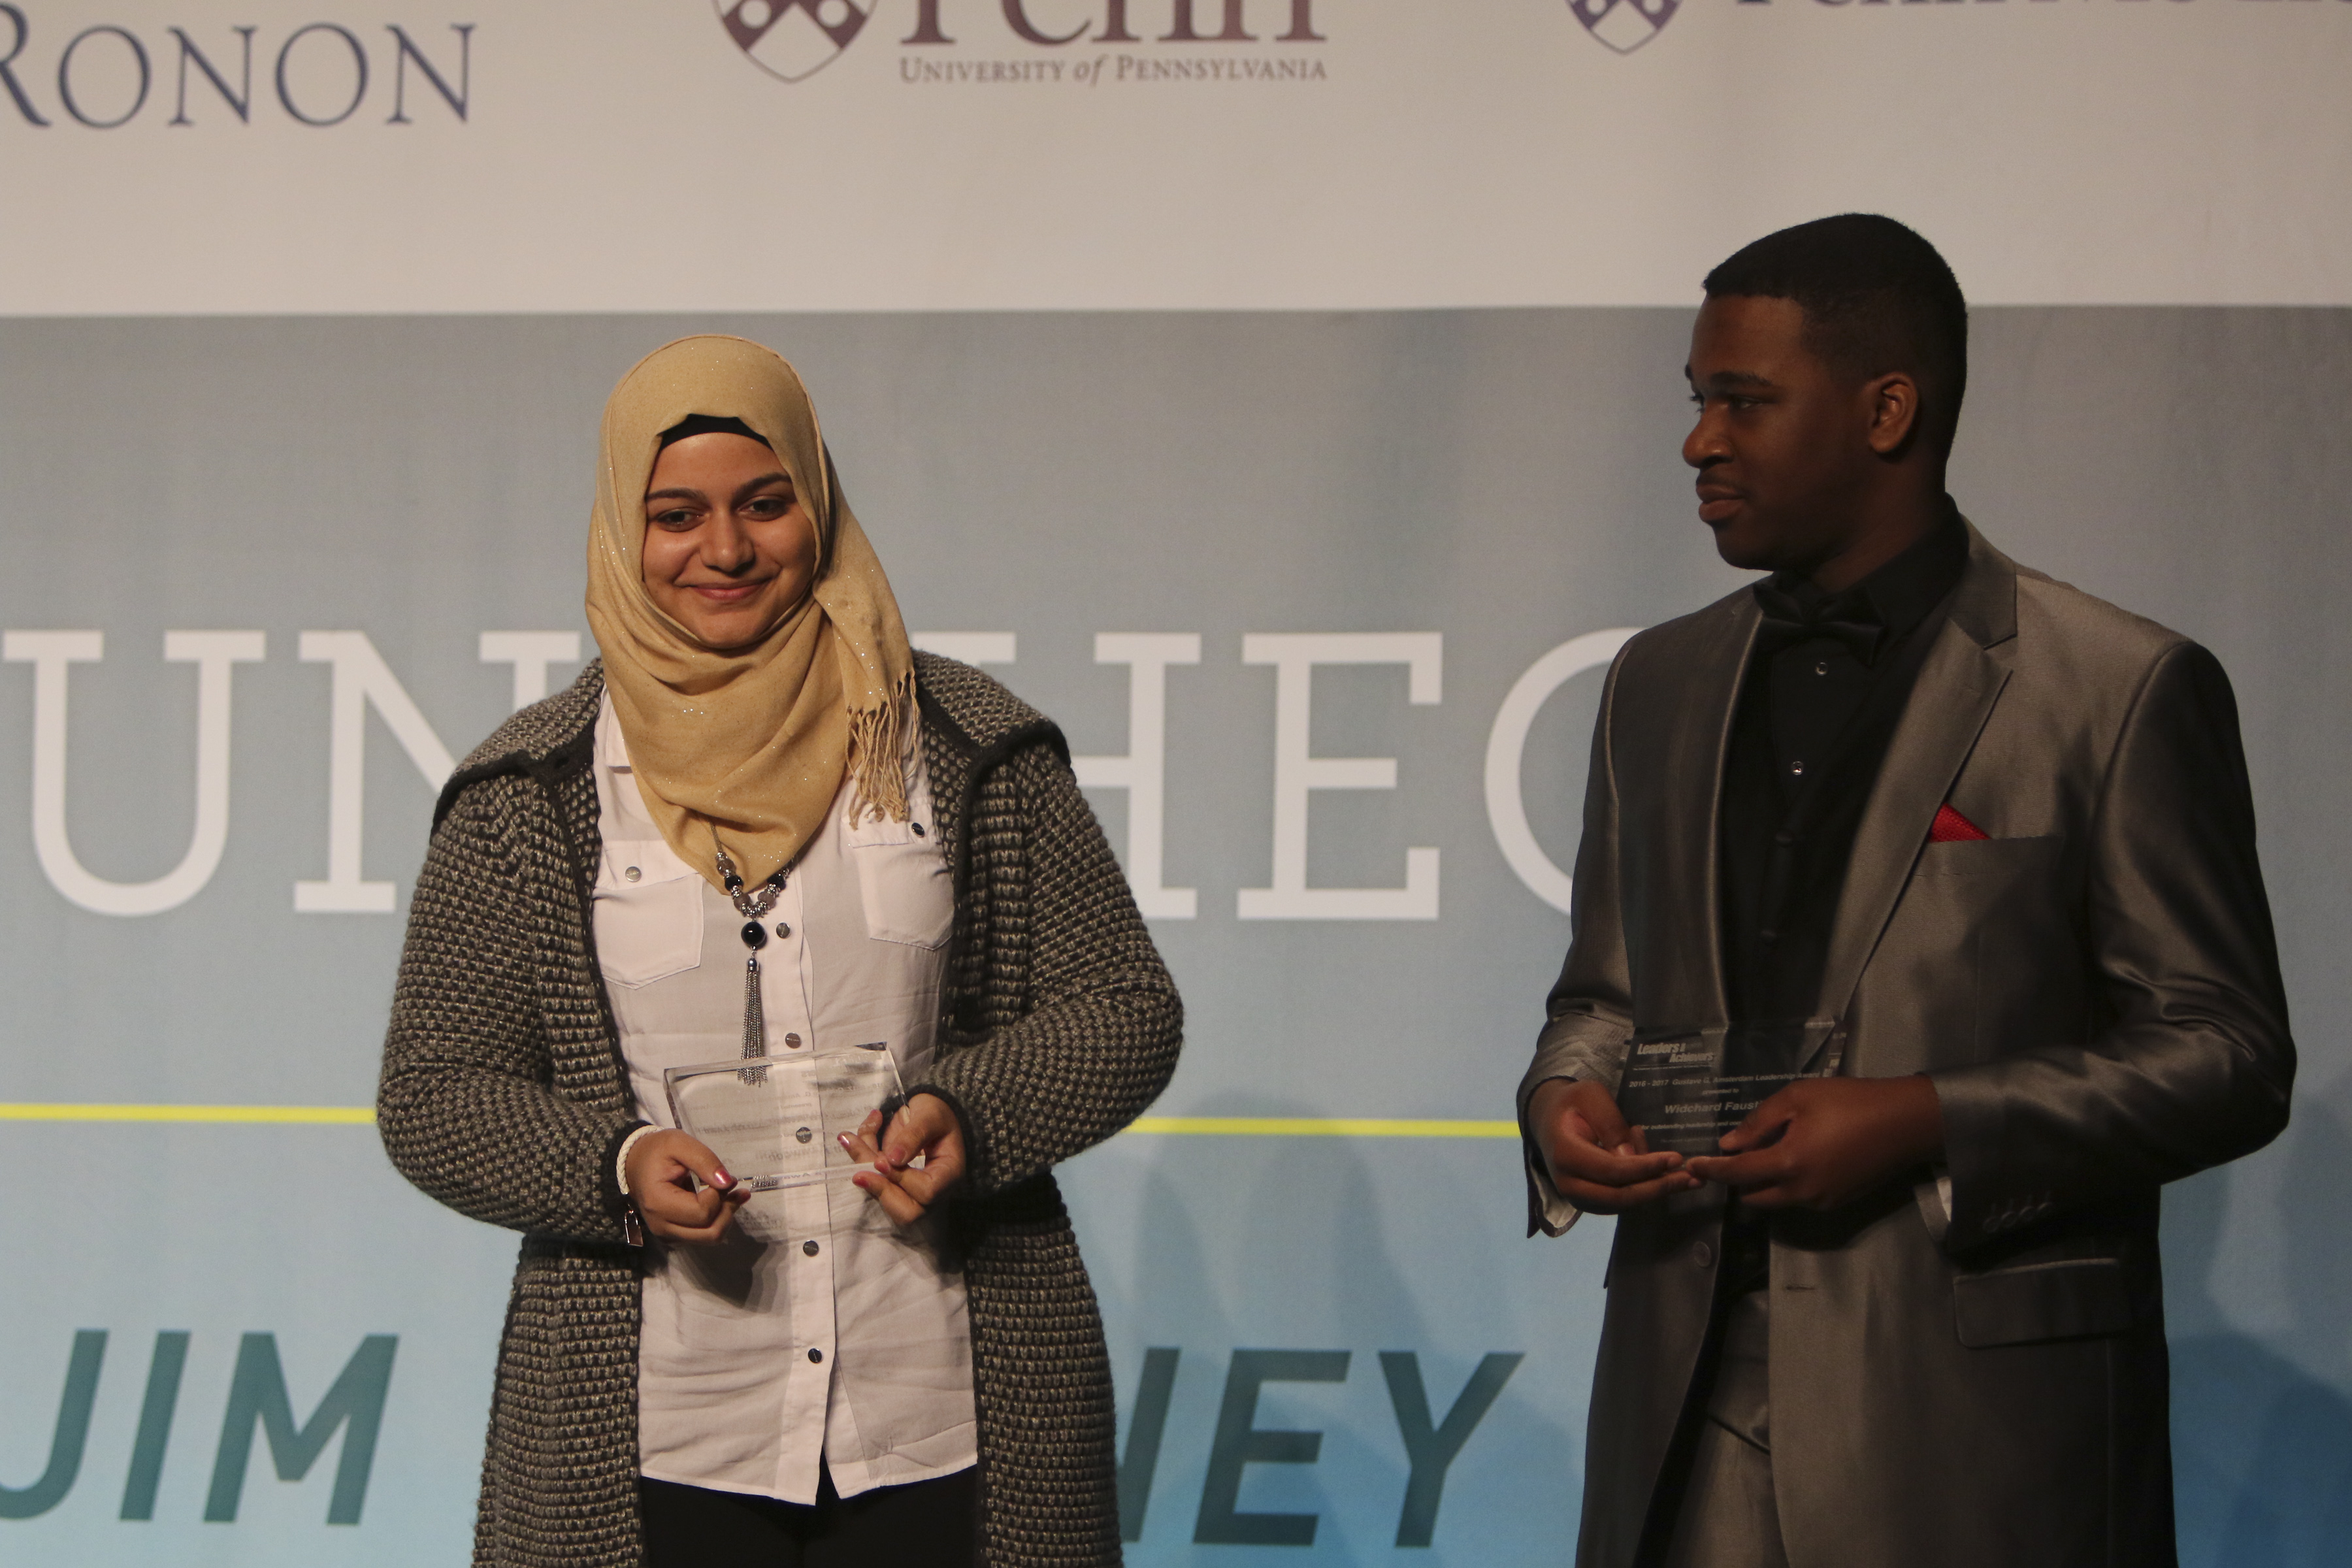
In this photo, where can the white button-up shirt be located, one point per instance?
(846, 1337)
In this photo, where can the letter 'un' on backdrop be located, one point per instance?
(1285, 395)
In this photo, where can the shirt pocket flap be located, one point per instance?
(2068, 1300)
(862, 829)
(648, 914)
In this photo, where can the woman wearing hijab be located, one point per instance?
(762, 826)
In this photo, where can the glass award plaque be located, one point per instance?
(1687, 1091)
(775, 1121)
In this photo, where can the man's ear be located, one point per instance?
(1893, 402)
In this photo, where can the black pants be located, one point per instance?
(930, 1523)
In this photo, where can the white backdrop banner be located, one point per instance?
(166, 156)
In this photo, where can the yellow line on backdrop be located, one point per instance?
(1320, 1127)
(295, 1115)
(1179, 1126)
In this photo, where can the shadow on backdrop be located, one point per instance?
(1272, 1234)
(2262, 1448)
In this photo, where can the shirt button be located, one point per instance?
(783, 928)
(1822, 668)
(1797, 768)
(815, 1354)
(809, 1247)
(1703, 1255)
(918, 827)
(632, 874)
(803, 1134)
(792, 1042)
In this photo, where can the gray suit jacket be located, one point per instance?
(2093, 991)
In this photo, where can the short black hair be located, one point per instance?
(1877, 298)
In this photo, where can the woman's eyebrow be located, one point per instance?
(675, 492)
(750, 487)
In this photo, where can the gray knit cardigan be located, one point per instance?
(504, 1096)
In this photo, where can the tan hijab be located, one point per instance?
(750, 744)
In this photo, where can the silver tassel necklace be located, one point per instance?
(753, 907)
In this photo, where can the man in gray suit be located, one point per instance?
(1964, 858)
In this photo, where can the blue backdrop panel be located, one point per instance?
(1477, 488)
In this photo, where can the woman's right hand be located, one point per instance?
(661, 1167)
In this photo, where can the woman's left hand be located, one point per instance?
(924, 1127)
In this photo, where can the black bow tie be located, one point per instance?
(1848, 618)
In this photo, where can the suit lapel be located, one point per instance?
(1953, 695)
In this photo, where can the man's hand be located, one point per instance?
(1598, 1163)
(1823, 1141)
(924, 1126)
(661, 1168)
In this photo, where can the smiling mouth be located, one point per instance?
(726, 593)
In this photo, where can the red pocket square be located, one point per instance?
(1951, 827)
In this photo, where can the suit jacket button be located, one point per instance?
(1703, 1255)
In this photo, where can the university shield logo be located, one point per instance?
(794, 38)
(1624, 24)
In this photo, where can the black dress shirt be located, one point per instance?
(1826, 685)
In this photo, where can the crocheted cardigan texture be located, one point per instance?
(503, 1095)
